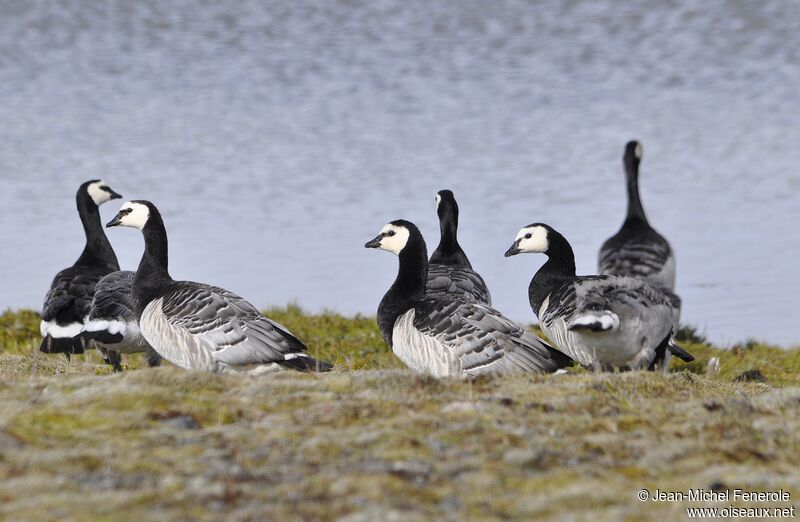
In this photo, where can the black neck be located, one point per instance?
(408, 287)
(559, 269)
(152, 275)
(635, 209)
(449, 252)
(98, 249)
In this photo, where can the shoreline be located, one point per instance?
(354, 343)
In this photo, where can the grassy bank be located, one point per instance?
(382, 443)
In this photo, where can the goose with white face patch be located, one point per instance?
(602, 322)
(448, 336)
(637, 249)
(66, 306)
(112, 324)
(198, 326)
(449, 269)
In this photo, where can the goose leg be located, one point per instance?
(153, 359)
(660, 360)
(114, 359)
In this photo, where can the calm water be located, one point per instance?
(278, 138)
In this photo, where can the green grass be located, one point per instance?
(380, 443)
(355, 343)
(352, 342)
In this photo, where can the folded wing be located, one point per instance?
(483, 341)
(197, 326)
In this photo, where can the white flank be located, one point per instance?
(60, 331)
(172, 342)
(96, 325)
(422, 353)
(266, 368)
(113, 327)
(290, 356)
(607, 321)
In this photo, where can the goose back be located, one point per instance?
(458, 281)
(607, 321)
(112, 322)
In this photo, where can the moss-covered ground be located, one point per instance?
(372, 441)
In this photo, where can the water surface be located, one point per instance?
(277, 137)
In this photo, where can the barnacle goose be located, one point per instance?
(197, 326)
(447, 335)
(602, 322)
(112, 321)
(637, 250)
(449, 270)
(66, 305)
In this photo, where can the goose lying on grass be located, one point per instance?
(198, 326)
(448, 335)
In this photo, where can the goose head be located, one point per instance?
(446, 203)
(394, 236)
(532, 239)
(134, 214)
(98, 191)
(633, 154)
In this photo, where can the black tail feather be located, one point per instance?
(65, 345)
(102, 336)
(562, 360)
(306, 364)
(680, 353)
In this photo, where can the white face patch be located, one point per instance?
(394, 239)
(136, 217)
(638, 151)
(533, 239)
(438, 201)
(98, 195)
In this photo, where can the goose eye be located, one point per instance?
(527, 236)
(390, 233)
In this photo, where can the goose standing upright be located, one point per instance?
(602, 322)
(112, 324)
(446, 335)
(197, 326)
(68, 301)
(449, 269)
(637, 249)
